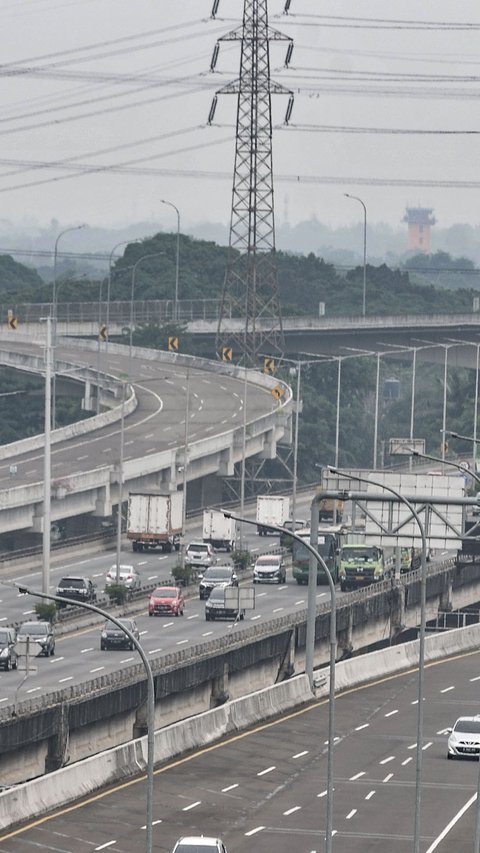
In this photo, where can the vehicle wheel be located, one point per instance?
(343, 586)
(449, 756)
(181, 613)
(299, 581)
(168, 547)
(8, 665)
(15, 665)
(52, 651)
(102, 647)
(134, 546)
(242, 616)
(254, 580)
(150, 614)
(207, 617)
(177, 613)
(131, 647)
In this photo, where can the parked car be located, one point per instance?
(112, 637)
(214, 576)
(216, 607)
(200, 555)
(199, 844)
(128, 576)
(78, 588)
(166, 600)
(8, 655)
(41, 635)
(269, 569)
(464, 738)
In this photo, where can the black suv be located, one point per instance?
(112, 637)
(8, 655)
(214, 576)
(78, 588)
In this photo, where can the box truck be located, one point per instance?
(155, 520)
(218, 530)
(271, 509)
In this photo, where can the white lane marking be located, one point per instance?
(260, 594)
(168, 624)
(254, 831)
(106, 449)
(170, 382)
(223, 387)
(28, 612)
(97, 669)
(5, 699)
(357, 776)
(142, 633)
(412, 746)
(55, 660)
(387, 778)
(365, 726)
(129, 442)
(350, 814)
(164, 557)
(323, 794)
(127, 660)
(292, 810)
(253, 618)
(277, 609)
(267, 770)
(391, 713)
(34, 470)
(321, 594)
(447, 689)
(254, 549)
(207, 634)
(229, 788)
(300, 754)
(370, 795)
(179, 642)
(150, 435)
(452, 823)
(107, 844)
(154, 823)
(154, 651)
(195, 616)
(3, 619)
(33, 689)
(387, 760)
(166, 429)
(427, 745)
(142, 563)
(192, 806)
(477, 678)
(209, 429)
(206, 381)
(84, 651)
(442, 732)
(301, 601)
(407, 761)
(68, 678)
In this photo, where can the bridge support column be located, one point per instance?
(220, 693)
(445, 602)
(57, 750)
(397, 610)
(345, 637)
(269, 445)
(287, 664)
(88, 401)
(226, 463)
(103, 502)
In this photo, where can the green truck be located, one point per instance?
(328, 547)
(361, 565)
(410, 559)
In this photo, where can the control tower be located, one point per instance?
(419, 221)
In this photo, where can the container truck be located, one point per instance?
(361, 565)
(155, 520)
(218, 530)
(271, 509)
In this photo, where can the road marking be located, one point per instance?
(180, 642)
(84, 651)
(164, 557)
(452, 823)
(442, 732)
(28, 612)
(412, 746)
(108, 844)
(152, 577)
(143, 632)
(254, 549)
(387, 778)
(427, 745)
(168, 624)
(154, 651)
(55, 660)
(97, 669)
(391, 713)
(365, 726)
(142, 563)
(292, 810)
(34, 470)
(5, 699)
(323, 794)
(350, 814)
(254, 831)
(106, 450)
(477, 678)
(277, 609)
(68, 678)
(150, 435)
(154, 823)
(407, 761)
(192, 806)
(387, 760)
(207, 634)
(33, 689)
(195, 616)
(229, 788)
(253, 618)
(447, 689)
(357, 776)
(300, 754)
(370, 795)
(166, 429)
(267, 770)
(127, 660)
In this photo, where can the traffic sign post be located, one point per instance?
(173, 344)
(227, 353)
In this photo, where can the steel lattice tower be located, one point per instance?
(250, 288)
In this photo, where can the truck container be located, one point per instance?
(328, 547)
(361, 565)
(155, 520)
(271, 509)
(218, 530)
(330, 509)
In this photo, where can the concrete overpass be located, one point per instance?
(85, 456)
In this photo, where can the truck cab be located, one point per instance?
(361, 565)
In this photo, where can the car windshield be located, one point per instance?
(198, 547)
(364, 554)
(268, 561)
(218, 574)
(197, 848)
(165, 593)
(111, 626)
(73, 583)
(468, 726)
(35, 629)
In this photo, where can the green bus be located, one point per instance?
(329, 541)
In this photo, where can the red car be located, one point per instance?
(166, 601)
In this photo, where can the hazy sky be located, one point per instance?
(123, 87)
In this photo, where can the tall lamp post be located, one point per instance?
(364, 291)
(109, 288)
(134, 272)
(54, 314)
(316, 559)
(177, 260)
(25, 590)
(475, 405)
(421, 644)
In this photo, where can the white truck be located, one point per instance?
(271, 509)
(218, 530)
(155, 520)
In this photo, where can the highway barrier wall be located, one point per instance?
(39, 796)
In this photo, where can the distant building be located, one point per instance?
(419, 220)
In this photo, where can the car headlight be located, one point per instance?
(4, 653)
(104, 635)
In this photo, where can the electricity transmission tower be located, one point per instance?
(250, 290)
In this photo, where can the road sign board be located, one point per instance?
(173, 343)
(404, 446)
(278, 392)
(103, 333)
(227, 353)
(269, 366)
(240, 597)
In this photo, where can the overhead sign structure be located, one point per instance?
(173, 344)
(227, 353)
(405, 446)
(278, 392)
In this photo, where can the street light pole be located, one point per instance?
(54, 315)
(375, 425)
(47, 468)
(120, 485)
(177, 261)
(364, 290)
(310, 642)
(185, 466)
(450, 462)
(134, 271)
(109, 287)
(25, 590)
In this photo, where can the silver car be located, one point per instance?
(200, 554)
(464, 738)
(128, 577)
(199, 844)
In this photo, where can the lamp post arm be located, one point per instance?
(25, 590)
(450, 462)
